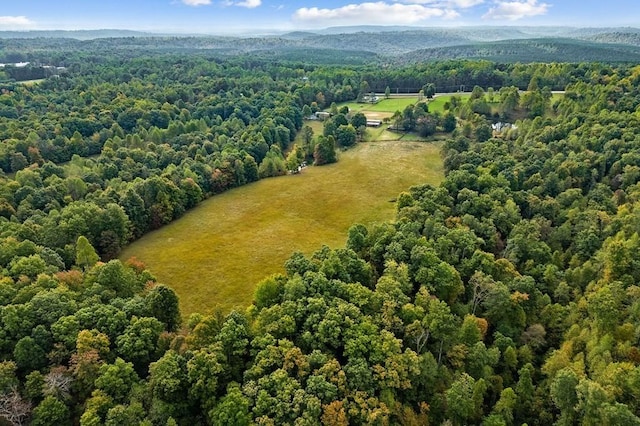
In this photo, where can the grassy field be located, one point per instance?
(316, 125)
(31, 82)
(382, 109)
(437, 103)
(383, 134)
(392, 105)
(216, 254)
(386, 107)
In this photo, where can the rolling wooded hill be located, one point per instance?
(363, 44)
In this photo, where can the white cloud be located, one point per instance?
(15, 22)
(249, 3)
(466, 3)
(448, 4)
(196, 2)
(516, 10)
(378, 13)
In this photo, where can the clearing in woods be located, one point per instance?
(385, 108)
(216, 253)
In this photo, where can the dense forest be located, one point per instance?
(505, 295)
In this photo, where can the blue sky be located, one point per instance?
(223, 16)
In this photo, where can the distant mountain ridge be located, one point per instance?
(630, 38)
(361, 43)
(76, 34)
(478, 33)
(531, 50)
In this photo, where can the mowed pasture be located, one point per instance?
(215, 255)
(386, 107)
(438, 102)
(382, 109)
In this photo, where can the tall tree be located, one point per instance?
(325, 151)
(86, 255)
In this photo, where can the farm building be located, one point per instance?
(500, 127)
(373, 123)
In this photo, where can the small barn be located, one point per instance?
(374, 123)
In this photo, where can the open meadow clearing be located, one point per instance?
(386, 107)
(381, 109)
(437, 103)
(216, 254)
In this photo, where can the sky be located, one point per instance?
(260, 16)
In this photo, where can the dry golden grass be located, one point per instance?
(216, 254)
